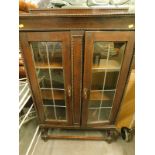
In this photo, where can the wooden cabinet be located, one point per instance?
(78, 70)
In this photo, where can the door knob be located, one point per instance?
(85, 92)
(69, 91)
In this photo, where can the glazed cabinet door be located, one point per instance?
(106, 65)
(47, 60)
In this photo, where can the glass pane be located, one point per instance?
(59, 94)
(99, 103)
(57, 78)
(47, 54)
(108, 95)
(53, 94)
(106, 103)
(61, 113)
(101, 95)
(108, 54)
(104, 114)
(49, 112)
(60, 103)
(55, 54)
(94, 103)
(39, 52)
(93, 115)
(100, 54)
(51, 103)
(107, 60)
(48, 102)
(49, 71)
(97, 79)
(115, 58)
(111, 80)
(46, 94)
(43, 78)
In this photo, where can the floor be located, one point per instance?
(25, 136)
(78, 147)
(71, 147)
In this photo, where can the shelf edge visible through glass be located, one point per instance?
(51, 66)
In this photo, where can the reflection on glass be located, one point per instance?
(97, 79)
(39, 52)
(108, 54)
(93, 115)
(99, 110)
(116, 59)
(44, 52)
(55, 53)
(43, 78)
(57, 78)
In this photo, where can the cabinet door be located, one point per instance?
(47, 60)
(106, 65)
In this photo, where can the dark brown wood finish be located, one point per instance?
(77, 19)
(88, 54)
(90, 38)
(125, 70)
(79, 11)
(63, 37)
(50, 125)
(77, 29)
(77, 54)
(30, 69)
(33, 23)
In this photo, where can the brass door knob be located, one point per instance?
(85, 90)
(69, 91)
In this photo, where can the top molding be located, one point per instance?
(76, 12)
(77, 19)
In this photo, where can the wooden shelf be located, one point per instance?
(45, 66)
(58, 94)
(98, 95)
(112, 65)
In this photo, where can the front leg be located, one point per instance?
(44, 134)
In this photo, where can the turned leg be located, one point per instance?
(111, 135)
(44, 134)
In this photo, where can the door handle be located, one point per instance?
(85, 90)
(69, 91)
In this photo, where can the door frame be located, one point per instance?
(90, 37)
(64, 37)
